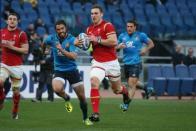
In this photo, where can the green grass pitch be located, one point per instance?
(143, 115)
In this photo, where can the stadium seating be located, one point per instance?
(173, 83)
(87, 7)
(3, 23)
(156, 80)
(160, 18)
(186, 85)
(41, 31)
(192, 70)
(32, 16)
(77, 7)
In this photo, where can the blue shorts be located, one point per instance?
(132, 70)
(72, 76)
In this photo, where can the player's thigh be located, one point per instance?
(4, 74)
(113, 70)
(74, 78)
(97, 73)
(16, 73)
(132, 70)
(58, 81)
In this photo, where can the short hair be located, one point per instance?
(59, 22)
(133, 22)
(96, 6)
(14, 14)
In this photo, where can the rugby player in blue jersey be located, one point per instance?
(134, 44)
(65, 68)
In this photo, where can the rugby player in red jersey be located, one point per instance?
(13, 44)
(103, 37)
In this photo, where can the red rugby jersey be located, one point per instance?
(17, 38)
(102, 53)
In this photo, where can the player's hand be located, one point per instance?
(78, 42)
(121, 46)
(143, 52)
(93, 39)
(59, 47)
(7, 45)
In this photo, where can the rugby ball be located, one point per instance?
(85, 41)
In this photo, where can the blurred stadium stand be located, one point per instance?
(164, 23)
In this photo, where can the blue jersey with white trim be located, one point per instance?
(61, 62)
(134, 44)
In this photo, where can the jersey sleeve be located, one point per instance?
(23, 38)
(144, 38)
(109, 29)
(72, 47)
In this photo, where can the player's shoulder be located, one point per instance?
(20, 32)
(141, 33)
(106, 23)
(123, 34)
(50, 37)
(70, 36)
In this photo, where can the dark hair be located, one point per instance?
(59, 22)
(98, 7)
(133, 22)
(14, 14)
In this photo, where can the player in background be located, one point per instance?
(14, 44)
(65, 68)
(103, 37)
(132, 42)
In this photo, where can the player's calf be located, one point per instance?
(2, 97)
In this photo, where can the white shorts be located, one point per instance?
(109, 69)
(14, 72)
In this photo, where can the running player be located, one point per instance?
(14, 44)
(132, 43)
(65, 67)
(103, 37)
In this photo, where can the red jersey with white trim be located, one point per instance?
(17, 38)
(102, 53)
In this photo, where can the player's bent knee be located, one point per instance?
(94, 82)
(57, 89)
(116, 92)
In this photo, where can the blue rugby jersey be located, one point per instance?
(61, 62)
(134, 44)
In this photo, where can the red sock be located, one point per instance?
(16, 100)
(95, 98)
(124, 90)
(2, 95)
